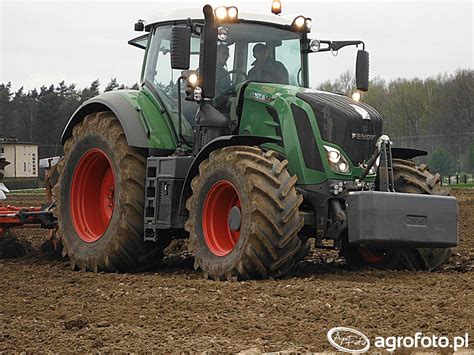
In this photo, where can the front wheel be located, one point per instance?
(244, 215)
(408, 178)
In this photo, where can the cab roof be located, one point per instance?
(195, 13)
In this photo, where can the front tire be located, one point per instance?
(244, 215)
(408, 178)
(100, 199)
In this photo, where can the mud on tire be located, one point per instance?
(121, 247)
(267, 244)
(408, 178)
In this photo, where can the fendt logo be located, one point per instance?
(348, 340)
(363, 136)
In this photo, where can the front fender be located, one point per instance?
(407, 153)
(218, 143)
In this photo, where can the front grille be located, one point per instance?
(340, 123)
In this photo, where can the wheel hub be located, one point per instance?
(92, 195)
(235, 219)
(221, 218)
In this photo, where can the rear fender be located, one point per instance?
(218, 143)
(145, 125)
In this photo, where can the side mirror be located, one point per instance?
(180, 47)
(362, 70)
(139, 25)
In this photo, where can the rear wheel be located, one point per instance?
(100, 197)
(244, 215)
(408, 178)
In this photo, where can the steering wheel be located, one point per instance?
(298, 77)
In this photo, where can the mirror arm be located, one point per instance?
(336, 45)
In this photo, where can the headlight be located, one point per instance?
(222, 33)
(336, 160)
(232, 12)
(299, 21)
(229, 14)
(356, 96)
(315, 45)
(334, 156)
(221, 13)
(301, 24)
(192, 79)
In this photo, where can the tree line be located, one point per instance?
(434, 114)
(40, 115)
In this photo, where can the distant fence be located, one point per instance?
(457, 179)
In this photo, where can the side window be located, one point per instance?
(164, 74)
(158, 67)
(163, 78)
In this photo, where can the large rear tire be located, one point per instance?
(100, 199)
(408, 178)
(244, 215)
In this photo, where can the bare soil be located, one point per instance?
(45, 306)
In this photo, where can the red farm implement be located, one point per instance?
(12, 217)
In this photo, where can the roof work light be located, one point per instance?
(301, 24)
(227, 14)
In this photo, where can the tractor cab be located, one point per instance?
(224, 51)
(237, 42)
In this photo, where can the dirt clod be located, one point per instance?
(103, 324)
(78, 323)
(97, 343)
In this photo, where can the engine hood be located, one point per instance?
(354, 126)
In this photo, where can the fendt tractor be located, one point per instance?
(226, 145)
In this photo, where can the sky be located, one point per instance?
(45, 42)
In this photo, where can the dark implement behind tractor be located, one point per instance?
(252, 166)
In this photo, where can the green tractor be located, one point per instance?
(225, 144)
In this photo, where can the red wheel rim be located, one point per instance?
(218, 235)
(92, 195)
(370, 255)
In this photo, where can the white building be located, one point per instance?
(23, 158)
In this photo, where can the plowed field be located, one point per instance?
(45, 306)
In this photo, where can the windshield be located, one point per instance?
(260, 53)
